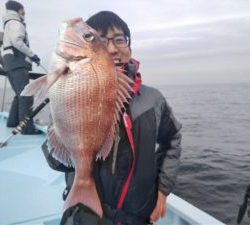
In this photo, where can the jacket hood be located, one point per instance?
(11, 15)
(136, 64)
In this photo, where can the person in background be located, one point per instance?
(1, 60)
(17, 60)
(140, 172)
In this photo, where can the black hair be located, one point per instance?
(13, 5)
(104, 20)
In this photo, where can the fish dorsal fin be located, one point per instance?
(57, 149)
(124, 90)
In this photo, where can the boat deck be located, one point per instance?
(31, 192)
(29, 189)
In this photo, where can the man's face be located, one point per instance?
(118, 53)
(21, 12)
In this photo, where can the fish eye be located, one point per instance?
(89, 37)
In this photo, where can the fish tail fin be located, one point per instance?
(84, 192)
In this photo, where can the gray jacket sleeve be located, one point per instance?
(169, 149)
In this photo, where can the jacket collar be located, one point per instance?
(133, 68)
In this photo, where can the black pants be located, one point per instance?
(21, 105)
(82, 215)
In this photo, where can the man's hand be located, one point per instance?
(160, 208)
(35, 59)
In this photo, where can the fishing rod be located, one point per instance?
(24, 122)
(243, 207)
(27, 118)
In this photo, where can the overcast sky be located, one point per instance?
(176, 41)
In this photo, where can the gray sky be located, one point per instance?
(176, 41)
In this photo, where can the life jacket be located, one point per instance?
(14, 59)
(25, 40)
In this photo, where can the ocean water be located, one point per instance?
(215, 167)
(215, 162)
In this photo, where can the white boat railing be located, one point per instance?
(182, 210)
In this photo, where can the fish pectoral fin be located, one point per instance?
(39, 88)
(56, 147)
(36, 89)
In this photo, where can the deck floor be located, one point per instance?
(29, 188)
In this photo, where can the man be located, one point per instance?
(135, 180)
(17, 57)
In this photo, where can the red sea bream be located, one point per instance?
(87, 93)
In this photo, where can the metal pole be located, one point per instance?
(44, 69)
(243, 207)
(4, 91)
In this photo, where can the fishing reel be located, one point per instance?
(245, 207)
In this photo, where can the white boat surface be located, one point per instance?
(31, 192)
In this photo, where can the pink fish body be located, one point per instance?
(86, 93)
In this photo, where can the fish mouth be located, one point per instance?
(71, 43)
(68, 57)
(116, 60)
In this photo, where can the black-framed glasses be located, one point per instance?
(119, 40)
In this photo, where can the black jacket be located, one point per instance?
(157, 141)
